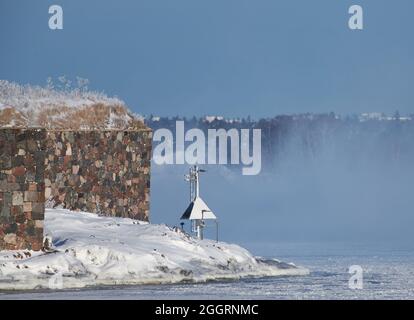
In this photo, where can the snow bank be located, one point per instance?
(62, 107)
(92, 250)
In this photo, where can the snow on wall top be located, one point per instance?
(63, 107)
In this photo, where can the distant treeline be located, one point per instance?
(372, 138)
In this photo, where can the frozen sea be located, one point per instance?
(388, 273)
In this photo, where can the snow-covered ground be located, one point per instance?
(92, 250)
(62, 107)
(32, 98)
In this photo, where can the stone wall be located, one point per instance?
(22, 193)
(106, 172)
(101, 171)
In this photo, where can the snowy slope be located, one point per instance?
(62, 108)
(92, 250)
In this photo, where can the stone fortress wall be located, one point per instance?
(22, 188)
(102, 171)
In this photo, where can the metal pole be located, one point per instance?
(196, 182)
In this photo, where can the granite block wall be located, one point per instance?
(102, 171)
(22, 189)
(107, 172)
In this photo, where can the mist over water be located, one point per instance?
(343, 183)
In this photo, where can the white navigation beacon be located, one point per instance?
(198, 211)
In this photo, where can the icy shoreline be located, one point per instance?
(94, 251)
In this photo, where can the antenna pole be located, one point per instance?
(197, 185)
(197, 225)
(191, 185)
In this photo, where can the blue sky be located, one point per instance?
(238, 58)
(228, 57)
